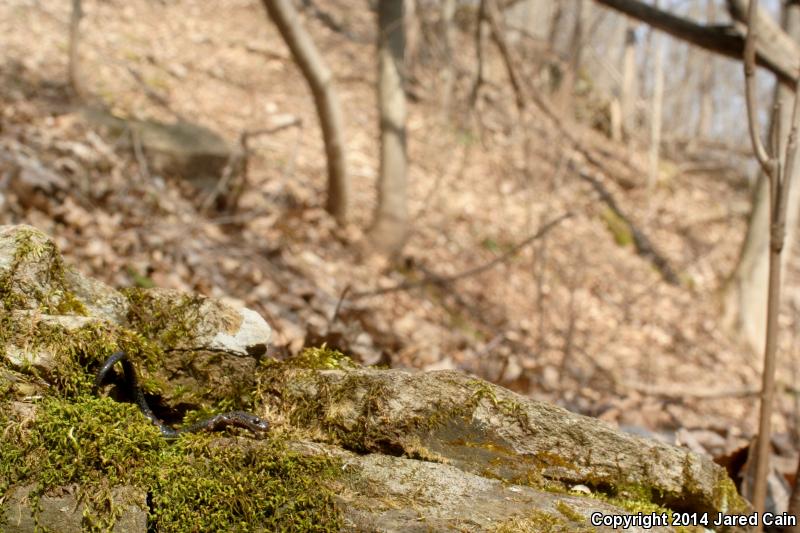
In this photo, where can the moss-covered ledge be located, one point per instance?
(351, 449)
(62, 447)
(490, 431)
(110, 467)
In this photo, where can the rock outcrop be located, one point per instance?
(351, 449)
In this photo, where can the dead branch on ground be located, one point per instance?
(236, 172)
(644, 247)
(436, 279)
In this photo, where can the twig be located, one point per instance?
(541, 259)
(778, 170)
(144, 169)
(332, 24)
(76, 81)
(569, 333)
(682, 393)
(434, 279)
(493, 343)
(241, 160)
(338, 306)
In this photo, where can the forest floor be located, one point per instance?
(576, 317)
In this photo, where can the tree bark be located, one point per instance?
(447, 14)
(555, 26)
(706, 83)
(73, 62)
(390, 228)
(493, 17)
(566, 90)
(745, 293)
(320, 81)
(629, 94)
(655, 118)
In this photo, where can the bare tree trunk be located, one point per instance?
(390, 228)
(745, 293)
(567, 86)
(480, 38)
(706, 83)
(493, 16)
(73, 66)
(448, 13)
(320, 80)
(655, 117)
(628, 98)
(413, 29)
(615, 105)
(555, 24)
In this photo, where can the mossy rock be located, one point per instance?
(488, 430)
(351, 449)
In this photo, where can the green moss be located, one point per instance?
(139, 280)
(96, 443)
(34, 248)
(200, 483)
(483, 390)
(99, 444)
(328, 412)
(619, 227)
(322, 358)
(570, 513)
(633, 502)
(164, 321)
(220, 487)
(539, 521)
(726, 498)
(75, 350)
(465, 137)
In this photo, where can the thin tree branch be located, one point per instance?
(435, 279)
(750, 91)
(774, 50)
(641, 242)
(780, 176)
(492, 17)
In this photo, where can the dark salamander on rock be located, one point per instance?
(241, 419)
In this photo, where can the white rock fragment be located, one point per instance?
(253, 335)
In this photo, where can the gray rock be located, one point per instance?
(35, 280)
(487, 430)
(437, 451)
(61, 511)
(183, 149)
